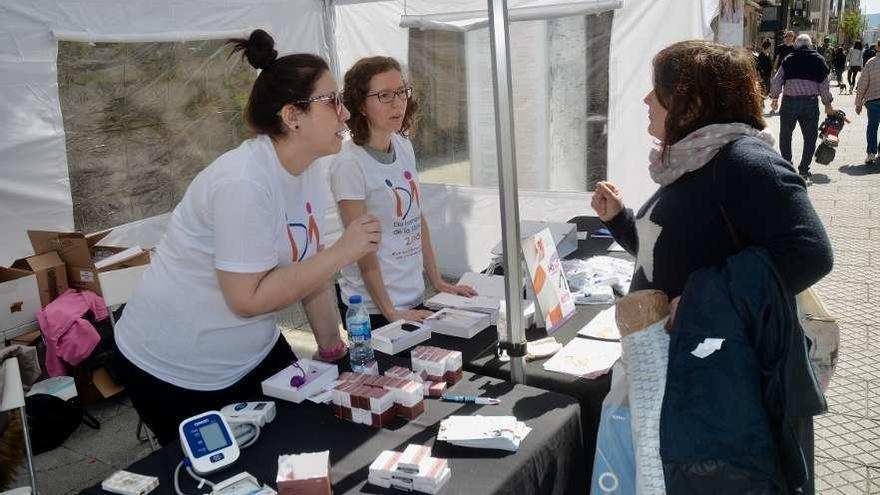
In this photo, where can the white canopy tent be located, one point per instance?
(35, 189)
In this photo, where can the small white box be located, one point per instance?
(457, 322)
(399, 335)
(319, 376)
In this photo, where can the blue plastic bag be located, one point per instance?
(614, 470)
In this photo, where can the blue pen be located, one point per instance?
(470, 399)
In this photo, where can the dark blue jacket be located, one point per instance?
(729, 421)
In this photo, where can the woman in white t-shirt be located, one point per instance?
(244, 242)
(375, 173)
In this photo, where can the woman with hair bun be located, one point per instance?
(375, 173)
(244, 242)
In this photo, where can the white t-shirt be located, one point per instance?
(244, 213)
(393, 195)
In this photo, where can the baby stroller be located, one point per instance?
(829, 132)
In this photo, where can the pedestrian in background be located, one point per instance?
(765, 67)
(868, 96)
(784, 49)
(839, 62)
(854, 60)
(869, 53)
(802, 77)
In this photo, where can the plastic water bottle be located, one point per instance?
(357, 322)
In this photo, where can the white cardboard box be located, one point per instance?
(457, 322)
(118, 285)
(319, 376)
(392, 338)
(19, 298)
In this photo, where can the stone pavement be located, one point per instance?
(847, 196)
(847, 438)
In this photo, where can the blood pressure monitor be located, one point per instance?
(208, 442)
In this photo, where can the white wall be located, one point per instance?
(636, 37)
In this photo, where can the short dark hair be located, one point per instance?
(354, 96)
(766, 44)
(286, 80)
(702, 82)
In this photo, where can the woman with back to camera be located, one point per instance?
(718, 174)
(854, 61)
(375, 173)
(244, 242)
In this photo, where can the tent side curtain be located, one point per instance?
(464, 21)
(36, 190)
(90, 37)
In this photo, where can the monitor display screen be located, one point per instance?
(213, 436)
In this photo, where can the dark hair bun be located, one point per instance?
(258, 49)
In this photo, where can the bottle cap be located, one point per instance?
(354, 300)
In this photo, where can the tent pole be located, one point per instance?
(504, 142)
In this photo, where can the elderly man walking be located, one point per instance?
(802, 77)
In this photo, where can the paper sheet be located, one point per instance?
(603, 326)
(485, 285)
(707, 347)
(585, 358)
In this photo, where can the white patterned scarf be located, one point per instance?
(697, 149)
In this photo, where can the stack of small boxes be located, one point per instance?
(376, 400)
(441, 365)
(432, 389)
(414, 469)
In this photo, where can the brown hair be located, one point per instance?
(286, 80)
(703, 82)
(354, 96)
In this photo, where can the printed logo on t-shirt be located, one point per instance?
(303, 238)
(404, 197)
(407, 224)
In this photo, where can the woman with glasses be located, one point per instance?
(375, 173)
(244, 242)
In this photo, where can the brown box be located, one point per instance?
(384, 419)
(50, 272)
(342, 412)
(96, 385)
(453, 377)
(411, 413)
(29, 339)
(79, 252)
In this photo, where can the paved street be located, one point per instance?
(847, 197)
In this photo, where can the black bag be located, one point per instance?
(51, 420)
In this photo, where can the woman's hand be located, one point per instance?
(607, 201)
(360, 238)
(410, 315)
(458, 290)
(332, 354)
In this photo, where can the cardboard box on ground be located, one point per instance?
(19, 298)
(68, 259)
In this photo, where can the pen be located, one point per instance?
(470, 399)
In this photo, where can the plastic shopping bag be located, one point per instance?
(614, 470)
(824, 334)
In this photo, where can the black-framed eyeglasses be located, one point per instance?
(387, 96)
(334, 98)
